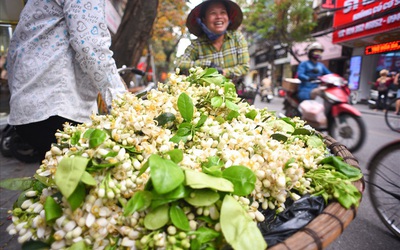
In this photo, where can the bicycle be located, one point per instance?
(392, 119)
(384, 185)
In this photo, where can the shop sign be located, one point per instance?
(355, 11)
(382, 48)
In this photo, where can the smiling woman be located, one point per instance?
(218, 44)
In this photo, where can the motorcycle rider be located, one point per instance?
(310, 70)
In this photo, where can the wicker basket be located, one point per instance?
(290, 84)
(327, 226)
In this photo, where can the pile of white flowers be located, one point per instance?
(235, 132)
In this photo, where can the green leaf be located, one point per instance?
(203, 235)
(252, 114)
(80, 245)
(20, 184)
(52, 209)
(178, 218)
(96, 138)
(301, 131)
(290, 161)
(240, 231)
(202, 197)
(233, 114)
(88, 179)
(176, 155)
(184, 129)
(343, 167)
(281, 126)
(164, 118)
(143, 169)
(198, 180)
(315, 142)
(203, 119)
(229, 89)
(165, 174)
(217, 101)
(177, 138)
(76, 137)
(77, 197)
(213, 166)
(139, 202)
(243, 179)
(35, 245)
(185, 106)
(69, 173)
(279, 137)
(157, 218)
(44, 180)
(87, 133)
(176, 194)
(232, 106)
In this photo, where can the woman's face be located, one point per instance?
(216, 18)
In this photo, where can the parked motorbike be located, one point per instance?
(373, 97)
(342, 121)
(12, 145)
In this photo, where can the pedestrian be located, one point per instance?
(397, 83)
(382, 85)
(309, 71)
(219, 44)
(58, 61)
(266, 88)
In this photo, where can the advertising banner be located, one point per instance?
(355, 18)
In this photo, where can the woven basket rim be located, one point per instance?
(328, 225)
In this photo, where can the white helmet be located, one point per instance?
(315, 46)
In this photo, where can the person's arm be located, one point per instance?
(301, 72)
(91, 40)
(243, 66)
(325, 70)
(396, 79)
(190, 58)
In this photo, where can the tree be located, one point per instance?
(281, 21)
(168, 29)
(134, 32)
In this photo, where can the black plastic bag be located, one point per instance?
(278, 227)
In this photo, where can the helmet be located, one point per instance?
(311, 51)
(315, 46)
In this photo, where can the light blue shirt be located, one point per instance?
(59, 60)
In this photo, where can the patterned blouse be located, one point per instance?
(233, 56)
(59, 60)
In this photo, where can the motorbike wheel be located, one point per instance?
(22, 151)
(351, 131)
(5, 141)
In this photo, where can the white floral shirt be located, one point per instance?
(59, 60)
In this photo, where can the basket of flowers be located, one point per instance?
(189, 167)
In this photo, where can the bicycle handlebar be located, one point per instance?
(133, 70)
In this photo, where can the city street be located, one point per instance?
(366, 231)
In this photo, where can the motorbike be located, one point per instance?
(266, 94)
(340, 119)
(373, 99)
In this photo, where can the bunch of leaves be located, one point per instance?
(171, 189)
(334, 181)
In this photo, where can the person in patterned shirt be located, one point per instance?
(219, 44)
(58, 61)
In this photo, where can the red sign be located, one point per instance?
(382, 48)
(355, 11)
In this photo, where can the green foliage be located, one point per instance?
(283, 21)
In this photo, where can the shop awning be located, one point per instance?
(10, 10)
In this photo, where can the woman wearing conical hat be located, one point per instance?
(219, 44)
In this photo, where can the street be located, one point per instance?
(366, 231)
